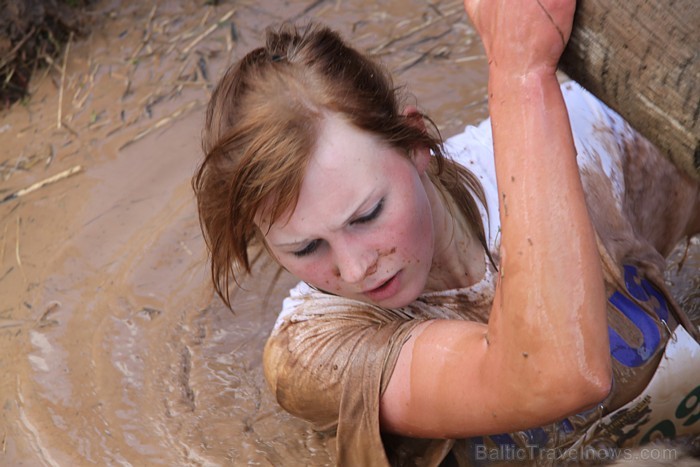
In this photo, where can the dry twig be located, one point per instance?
(375, 50)
(160, 123)
(17, 256)
(208, 31)
(41, 184)
(147, 35)
(63, 77)
(4, 242)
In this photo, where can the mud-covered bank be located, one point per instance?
(114, 349)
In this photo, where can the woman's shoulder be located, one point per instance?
(326, 351)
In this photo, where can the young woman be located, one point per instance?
(498, 295)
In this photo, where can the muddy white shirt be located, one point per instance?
(329, 358)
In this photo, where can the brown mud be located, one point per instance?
(113, 348)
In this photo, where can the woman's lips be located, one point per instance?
(386, 290)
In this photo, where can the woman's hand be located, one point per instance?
(522, 36)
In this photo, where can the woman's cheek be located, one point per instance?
(318, 274)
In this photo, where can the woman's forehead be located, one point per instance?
(339, 142)
(344, 163)
(346, 171)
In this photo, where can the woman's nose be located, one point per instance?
(354, 264)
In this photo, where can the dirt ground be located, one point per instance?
(115, 351)
(113, 348)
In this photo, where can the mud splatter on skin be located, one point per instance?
(372, 269)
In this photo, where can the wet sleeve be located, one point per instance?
(328, 362)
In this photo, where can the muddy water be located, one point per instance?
(113, 348)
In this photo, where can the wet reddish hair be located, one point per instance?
(261, 127)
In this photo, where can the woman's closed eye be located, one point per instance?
(372, 215)
(308, 249)
(313, 245)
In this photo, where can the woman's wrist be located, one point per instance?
(504, 82)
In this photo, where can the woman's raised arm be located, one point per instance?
(545, 351)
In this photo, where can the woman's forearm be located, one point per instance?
(551, 313)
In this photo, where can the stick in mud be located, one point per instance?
(43, 183)
(160, 123)
(209, 30)
(63, 76)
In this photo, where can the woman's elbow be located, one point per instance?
(600, 385)
(588, 387)
(568, 389)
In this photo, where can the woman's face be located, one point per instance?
(363, 225)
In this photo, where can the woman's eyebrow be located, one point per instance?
(290, 244)
(355, 213)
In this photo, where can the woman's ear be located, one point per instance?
(420, 155)
(414, 117)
